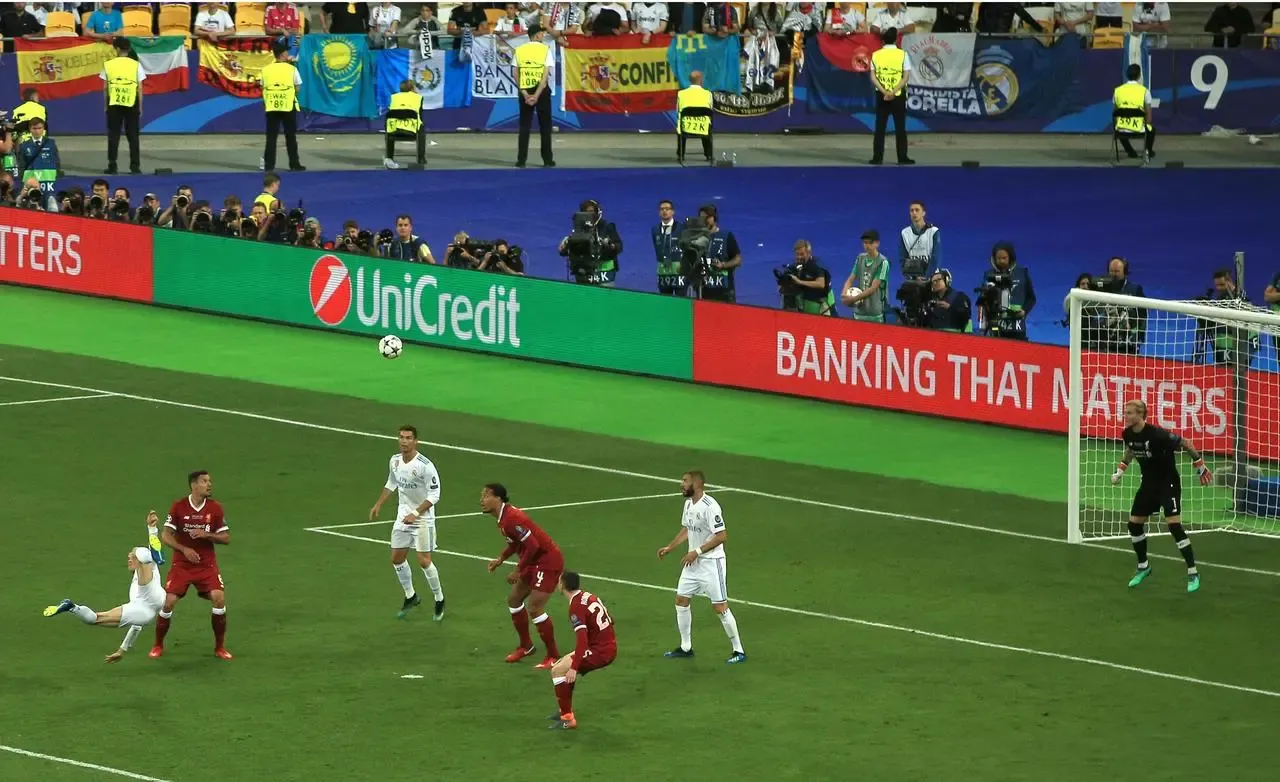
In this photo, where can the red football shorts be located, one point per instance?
(204, 579)
(542, 577)
(595, 659)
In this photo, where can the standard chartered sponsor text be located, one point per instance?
(493, 320)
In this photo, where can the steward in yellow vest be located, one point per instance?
(123, 76)
(404, 123)
(890, 68)
(31, 109)
(533, 63)
(280, 82)
(1131, 114)
(693, 109)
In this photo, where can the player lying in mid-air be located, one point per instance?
(146, 598)
(1161, 487)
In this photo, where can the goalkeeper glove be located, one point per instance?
(1119, 473)
(1206, 475)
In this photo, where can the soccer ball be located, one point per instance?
(852, 291)
(390, 346)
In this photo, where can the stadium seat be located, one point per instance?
(175, 19)
(137, 22)
(1108, 38)
(493, 15)
(60, 24)
(251, 19)
(1127, 14)
(1270, 37)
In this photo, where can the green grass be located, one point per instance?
(837, 686)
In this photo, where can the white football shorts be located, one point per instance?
(420, 537)
(705, 577)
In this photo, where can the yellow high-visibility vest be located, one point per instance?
(266, 199)
(122, 81)
(694, 97)
(889, 64)
(405, 100)
(29, 111)
(278, 92)
(1129, 97)
(531, 59)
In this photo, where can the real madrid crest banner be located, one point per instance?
(337, 76)
(66, 67)
(618, 74)
(235, 65)
(944, 60)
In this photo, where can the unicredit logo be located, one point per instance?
(330, 290)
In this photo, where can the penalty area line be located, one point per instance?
(532, 507)
(80, 764)
(891, 627)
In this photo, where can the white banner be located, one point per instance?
(944, 60)
(493, 70)
(428, 75)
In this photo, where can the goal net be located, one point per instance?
(1207, 370)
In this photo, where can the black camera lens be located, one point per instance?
(182, 202)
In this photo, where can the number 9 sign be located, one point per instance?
(1215, 86)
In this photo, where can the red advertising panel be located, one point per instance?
(1017, 384)
(75, 254)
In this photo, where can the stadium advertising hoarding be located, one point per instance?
(518, 316)
(75, 255)
(1008, 383)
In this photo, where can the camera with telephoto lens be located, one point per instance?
(248, 228)
(385, 238)
(145, 215)
(230, 220)
(917, 302)
(364, 239)
(202, 222)
(31, 198)
(96, 207)
(182, 201)
(119, 210)
(789, 291)
(344, 243)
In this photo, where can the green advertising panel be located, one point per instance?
(457, 308)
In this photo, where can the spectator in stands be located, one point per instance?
(954, 18)
(949, 309)
(41, 12)
(687, 17)
(560, 19)
(17, 22)
(1153, 20)
(1073, 18)
(997, 18)
(845, 19)
(384, 23)
(213, 22)
(765, 19)
(606, 19)
(721, 20)
(894, 15)
(1108, 15)
(103, 23)
(530, 14)
(345, 18)
(282, 19)
(649, 18)
(1229, 23)
(467, 16)
(503, 259)
(509, 23)
(803, 18)
(425, 21)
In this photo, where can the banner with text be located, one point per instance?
(940, 61)
(767, 82)
(234, 65)
(517, 316)
(493, 66)
(618, 74)
(75, 255)
(66, 67)
(1016, 384)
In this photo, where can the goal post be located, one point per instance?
(1208, 371)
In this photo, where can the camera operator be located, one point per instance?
(1218, 340)
(504, 259)
(201, 218)
(347, 241)
(462, 253)
(592, 248)
(804, 285)
(666, 249)
(948, 309)
(713, 278)
(407, 246)
(120, 210)
(1006, 297)
(34, 198)
(310, 234)
(1124, 328)
(148, 211)
(228, 223)
(867, 289)
(38, 157)
(177, 214)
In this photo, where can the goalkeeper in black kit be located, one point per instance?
(1161, 488)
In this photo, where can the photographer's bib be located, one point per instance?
(605, 274)
(719, 279)
(667, 250)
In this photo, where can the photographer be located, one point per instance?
(38, 157)
(867, 289)
(310, 234)
(34, 198)
(1124, 329)
(8, 147)
(177, 214)
(201, 218)
(592, 248)
(148, 211)
(713, 279)
(406, 246)
(350, 239)
(666, 250)
(120, 210)
(804, 285)
(1006, 297)
(504, 259)
(462, 254)
(948, 309)
(229, 218)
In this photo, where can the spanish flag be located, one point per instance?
(235, 65)
(618, 74)
(65, 67)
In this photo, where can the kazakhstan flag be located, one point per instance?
(337, 76)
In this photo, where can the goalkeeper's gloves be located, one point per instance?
(1206, 475)
(1119, 473)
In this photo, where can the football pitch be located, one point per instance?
(911, 611)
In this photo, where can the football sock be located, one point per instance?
(731, 629)
(684, 621)
(433, 581)
(130, 636)
(219, 627)
(548, 634)
(405, 576)
(564, 695)
(1184, 546)
(1138, 536)
(162, 627)
(520, 618)
(86, 614)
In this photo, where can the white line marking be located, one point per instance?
(629, 474)
(534, 507)
(55, 399)
(886, 626)
(80, 764)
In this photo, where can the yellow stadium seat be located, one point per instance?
(1108, 38)
(493, 15)
(251, 19)
(137, 22)
(60, 24)
(1270, 37)
(1126, 10)
(175, 19)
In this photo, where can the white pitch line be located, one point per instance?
(54, 399)
(532, 507)
(887, 626)
(628, 474)
(81, 764)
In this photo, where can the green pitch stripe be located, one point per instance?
(708, 419)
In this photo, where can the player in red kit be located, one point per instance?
(535, 577)
(595, 648)
(194, 525)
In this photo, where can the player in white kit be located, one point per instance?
(146, 598)
(414, 478)
(704, 573)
